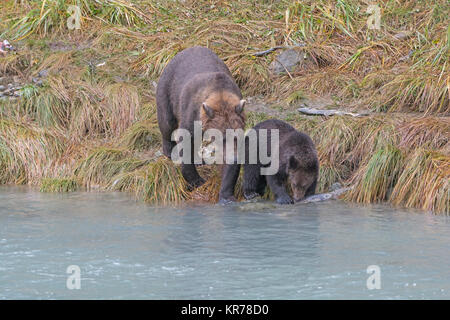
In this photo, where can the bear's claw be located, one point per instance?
(285, 200)
(225, 201)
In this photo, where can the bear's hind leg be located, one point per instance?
(191, 176)
(167, 121)
(262, 184)
(230, 174)
(168, 146)
(254, 183)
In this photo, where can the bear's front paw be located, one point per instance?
(227, 200)
(252, 195)
(285, 200)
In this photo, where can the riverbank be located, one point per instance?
(77, 110)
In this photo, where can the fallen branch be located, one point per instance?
(327, 113)
(263, 53)
(325, 196)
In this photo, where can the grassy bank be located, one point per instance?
(83, 110)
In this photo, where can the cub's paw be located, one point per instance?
(228, 200)
(285, 200)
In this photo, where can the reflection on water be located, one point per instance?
(131, 250)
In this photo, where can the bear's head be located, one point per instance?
(303, 172)
(222, 111)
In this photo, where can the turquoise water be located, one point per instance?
(125, 249)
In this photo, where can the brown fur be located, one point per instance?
(298, 165)
(194, 81)
(223, 103)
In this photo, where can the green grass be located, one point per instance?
(58, 185)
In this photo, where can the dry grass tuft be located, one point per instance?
(122, 106)
(424, 182)
(158, 182)
(375, 178)
(27, 152)
(102, 165)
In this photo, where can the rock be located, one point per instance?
(335, 186)
(403, 35)
(407, 57)
(2, 87)
(43, 73)
(287, 60)
(158, 154)
(37, 81)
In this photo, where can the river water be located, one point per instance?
(129, 250)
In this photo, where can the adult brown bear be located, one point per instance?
(197, 86)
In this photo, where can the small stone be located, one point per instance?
(37, 81)
(2, 87)
(402, 35)
(335, 186)
(43, 73)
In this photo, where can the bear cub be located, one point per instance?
(298, 164)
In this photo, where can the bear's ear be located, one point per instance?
(293, 163)
(208, 110)
(240, 107)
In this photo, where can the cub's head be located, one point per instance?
(303, 172)
(222, 111)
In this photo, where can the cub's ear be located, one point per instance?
(240, 107)
(293, 163)
(208, 110)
